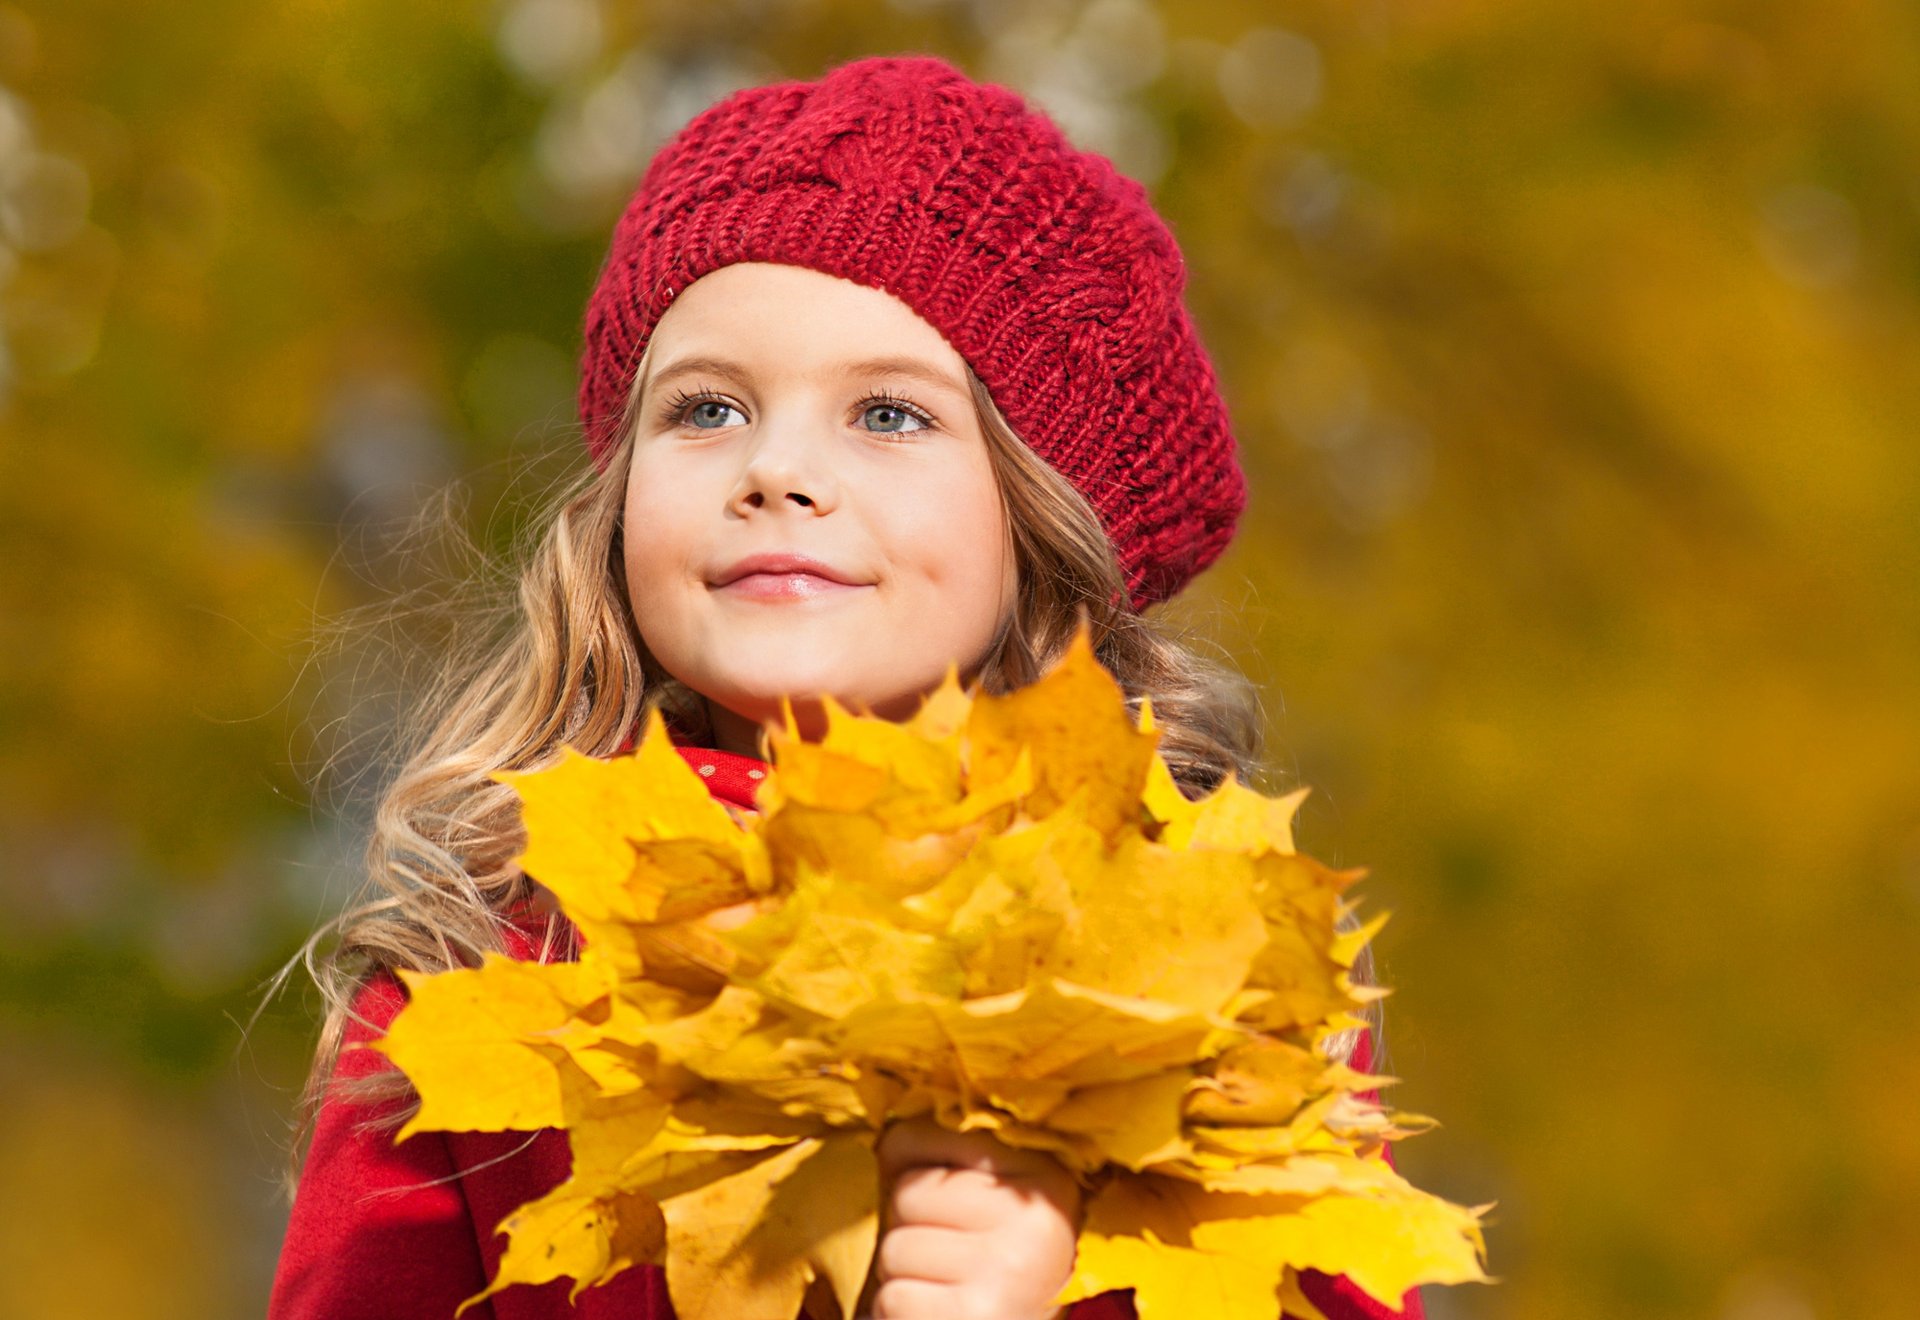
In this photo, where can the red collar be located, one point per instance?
(729, 776)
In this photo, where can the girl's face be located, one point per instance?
(811, 509)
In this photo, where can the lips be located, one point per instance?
(784, 577)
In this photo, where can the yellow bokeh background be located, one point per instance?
(1574, 352)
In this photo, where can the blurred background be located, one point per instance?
(1575, 352)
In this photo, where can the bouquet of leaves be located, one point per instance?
(1001, 914)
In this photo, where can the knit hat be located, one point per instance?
(1045, 268)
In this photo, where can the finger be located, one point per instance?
(953, 1198)
(930, 1253)
(915, 1299)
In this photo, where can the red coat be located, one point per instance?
(405, 1232)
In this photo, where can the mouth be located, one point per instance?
(784, 577)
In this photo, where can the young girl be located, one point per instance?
(881, 375)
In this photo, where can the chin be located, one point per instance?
(759, 690)
(758, 694)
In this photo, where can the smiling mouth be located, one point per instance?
(786, 585)
(785, 575)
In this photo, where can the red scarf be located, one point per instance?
(729, 776)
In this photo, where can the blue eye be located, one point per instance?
(710, 414)
(888, 416)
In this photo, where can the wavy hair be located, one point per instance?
(565, 666)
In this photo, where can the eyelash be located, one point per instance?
(674, 411)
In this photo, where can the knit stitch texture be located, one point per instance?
(1046, 269)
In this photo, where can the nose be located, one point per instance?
(785, 469)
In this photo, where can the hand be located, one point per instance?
(974, 1229)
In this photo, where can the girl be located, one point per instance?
(881, 375)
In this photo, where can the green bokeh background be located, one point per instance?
(1575, 353)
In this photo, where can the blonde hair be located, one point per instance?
(569, 669)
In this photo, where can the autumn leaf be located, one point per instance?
(1002, 914)
(572, 1233)
(746, 1244)
(476, 1043)
(1185, 1250)
(632, 841)
(1083, 745)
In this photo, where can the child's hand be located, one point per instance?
(974, 1229)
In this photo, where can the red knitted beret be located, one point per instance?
(1045, 268)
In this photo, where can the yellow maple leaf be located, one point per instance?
(831, 948)
(1134, 1124)
(571, 1233)
(588, 822)
(1164, 1237)
(1259, 1081)
(745, 1244)
(594, 1224)
(1074, 726)
(478, 1043)
(1179, 928)
(1002, 914)
(1236, 818)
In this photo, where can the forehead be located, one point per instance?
(789, 321)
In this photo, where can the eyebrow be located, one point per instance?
(911, 368)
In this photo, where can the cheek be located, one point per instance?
(658, 538)
(957, 539)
